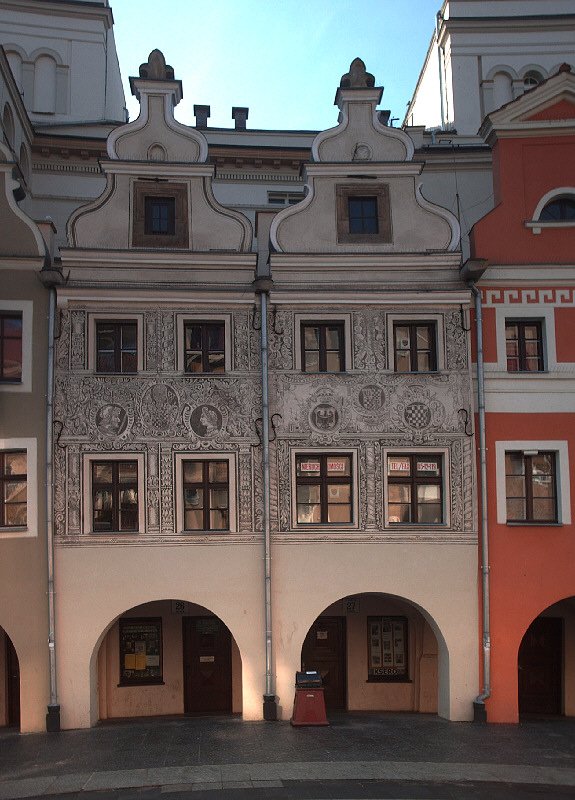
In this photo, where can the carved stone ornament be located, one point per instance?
(357, 77)
(113, 420)
(204, 420)
(371, 399)
(156, 69)
(361, 152)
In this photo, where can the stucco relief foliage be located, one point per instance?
(455, 342)
(369, 352)
(281, 340)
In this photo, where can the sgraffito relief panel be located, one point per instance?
(78, 340)
(369, 349)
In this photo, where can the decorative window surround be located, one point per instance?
(545, 314)
(561, 450)
(24, 307)
(87, 510)
(370, 189)
(232, 491)
(31, 528)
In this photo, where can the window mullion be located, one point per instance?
(528, 488)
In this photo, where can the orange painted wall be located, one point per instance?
(525, 170)
(532, 567)
(565, 333)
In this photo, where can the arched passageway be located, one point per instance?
(546, 663)
(168, 657)
(9, 683)
(375, 652)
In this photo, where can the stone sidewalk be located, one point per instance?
(226, 753)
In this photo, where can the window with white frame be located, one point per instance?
(205, 493)
(113, 493)
(524, 345)
(324, 488)
(525, 339)
(556, 209)
(18, 488)
(532, 482)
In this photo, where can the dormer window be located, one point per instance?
(363, 213)
(160, 215)
(556, 209)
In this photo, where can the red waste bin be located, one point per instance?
(309, 702)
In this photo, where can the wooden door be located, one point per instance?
(12, 685)
(207, 666)
(324, 650)
(540, 667)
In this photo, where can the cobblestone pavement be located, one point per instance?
(180, 755)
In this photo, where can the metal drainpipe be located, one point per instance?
(270, 706)
(480, 713)
(53, 715)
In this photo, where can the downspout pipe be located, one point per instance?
(53, 713)
(262, 287)
(479, 710)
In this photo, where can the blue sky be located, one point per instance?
(281, 58)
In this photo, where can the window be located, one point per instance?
(204, 347)
(285, 198)
(524, 345)
(10, 348)
(322, 347)
(387, 649)
(363, 213)
(562, 209)
(531, 487)
(14, 489)
(116, 346)
(415, 347)
(114, 496)
(532, 79)
(324, 489)
(160, 216)
(415, 488)
(140, 651)
(206, 495)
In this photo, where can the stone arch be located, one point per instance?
(170, 696)
(9, 681)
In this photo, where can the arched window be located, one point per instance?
(531, 79)
(45, 85)
(560, 209)
(8, 125)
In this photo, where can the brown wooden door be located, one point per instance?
(12, 685)
(540, 667)
(207, 666)
(324, 650)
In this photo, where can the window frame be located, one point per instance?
(115, 488)
(323, 325)
(444, 454)
(323, 317)
(25, 309)
(206, 485)
(30, 529)
(125, 622)
(114, 317)
(413, 325)
(413, 481)
(528, 477)
(368, 189)
(537, 224)
(233, 506)
(117, 325)
(325, 482)
(521, 323)
(5, 316)
(392, 319)
(87, 494)
(153, 201)
(205, 325)
(5, 478)
(208, 318)
(387, 678)
(562, 485)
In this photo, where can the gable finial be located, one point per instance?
(156, 69)
(357, 77)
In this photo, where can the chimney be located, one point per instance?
(240, 115)
(201, 113)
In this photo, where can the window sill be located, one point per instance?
(532, 524)
(114, 533)
(17, 532)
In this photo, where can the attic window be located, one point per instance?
(556, 209)
(562, 209)
(160, 215)
(363, 214)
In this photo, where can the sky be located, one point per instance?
(281, 58)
